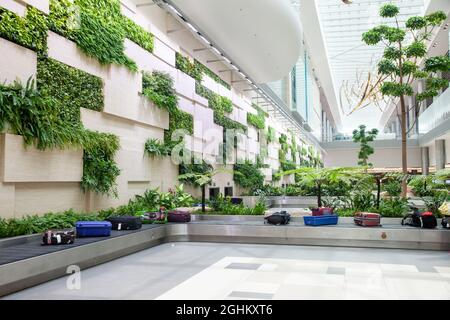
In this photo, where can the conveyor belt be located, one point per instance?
(33, 248)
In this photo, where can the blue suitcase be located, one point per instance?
(321, 220)
(93, 228)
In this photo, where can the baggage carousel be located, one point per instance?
(25, 263)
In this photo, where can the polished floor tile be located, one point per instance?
(200, 271)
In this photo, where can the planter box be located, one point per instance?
(251, 201)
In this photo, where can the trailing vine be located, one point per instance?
(29, 31)
(71, 88)
(248, 176)
(270, 135)
(221, 106)
(159, 88)
(37, 116)
(257, 120)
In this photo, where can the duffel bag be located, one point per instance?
(179, 216)
(278, 218)
(152, 217)
(424, 220)
(58, 237)
(125, 223)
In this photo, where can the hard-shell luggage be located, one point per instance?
(93, 228)
(278, 218)
(323, 211)
(367, 219)
(331, 219)
(58, 237)
(125, 223)
(179, 216)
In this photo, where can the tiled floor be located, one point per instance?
(265, 278)
(243, 271)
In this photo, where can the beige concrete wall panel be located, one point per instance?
(40, 198)
(41, 5)
(24, 62)
(14, 6)
(127, 130)
(164, 173)
(66, 51)
(149, 113)
(185, 86)
(164, 52)
(32, 165)
(7, 200)
(147, 61)
(387, 157)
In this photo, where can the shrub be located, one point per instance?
(30, 31)
(248, 176)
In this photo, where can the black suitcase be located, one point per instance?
(58, 237)
(125, 223)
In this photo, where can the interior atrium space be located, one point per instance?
(224, 150)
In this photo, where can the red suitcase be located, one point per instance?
(179, 216)
(323, 211)
(367, 219)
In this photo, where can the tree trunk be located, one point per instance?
(378, 192)
(404, 146)
(203, 198)
(319, 195)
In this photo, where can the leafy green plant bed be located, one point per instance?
(230, 213)
(151, 200)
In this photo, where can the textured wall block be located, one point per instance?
(147, 61)
(152, 115)
(185, 86)
(128, 131)
(32, 165)
(164, 174)
(66, 51)
(42, 5)
(164, 52)
(14, 6)
(121, 93)
(7, 200)
(252, 133)
(186, 105)
(16, 63)
(40, 198)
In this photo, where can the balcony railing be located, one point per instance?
(436, 114)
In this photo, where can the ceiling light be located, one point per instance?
(190, 26)
(226, 59)
(204, 39)
(216, 51)
(174, 10)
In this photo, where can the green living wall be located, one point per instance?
(46, 112)
(159, 88)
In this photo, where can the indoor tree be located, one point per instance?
(364, 137)
(404, 61)
(201, 180)
(319, 177)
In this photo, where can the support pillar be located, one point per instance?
(440, 154)
(425, 160)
